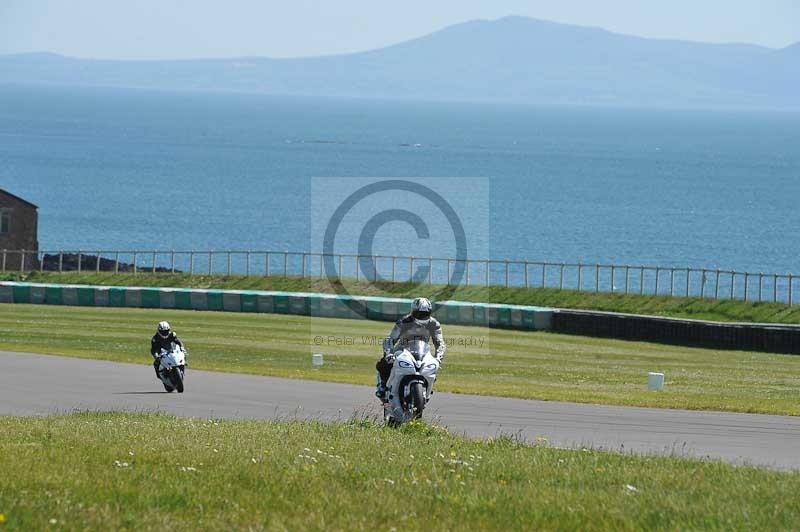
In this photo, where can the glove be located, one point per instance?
(389, 357)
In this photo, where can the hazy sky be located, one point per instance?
(155, 29)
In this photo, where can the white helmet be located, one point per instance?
(164, 329)
(421, 309)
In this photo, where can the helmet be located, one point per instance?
(164, 329)
(421, 308)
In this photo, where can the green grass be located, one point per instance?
(531, 365)
(681, 307)
(110, 471)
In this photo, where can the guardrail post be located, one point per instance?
(116, 262)
(60, 261)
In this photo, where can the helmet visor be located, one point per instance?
(421, 314)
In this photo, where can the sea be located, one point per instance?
(137, 169)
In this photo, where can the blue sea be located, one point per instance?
(131, 169)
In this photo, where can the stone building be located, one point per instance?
(18, 231)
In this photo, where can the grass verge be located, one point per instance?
(110, 471)
(680, 307)
(529, 365)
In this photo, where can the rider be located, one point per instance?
(418, 325)
(162, 339)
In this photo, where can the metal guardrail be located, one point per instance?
(712, 283)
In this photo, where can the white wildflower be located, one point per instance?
(631, 488)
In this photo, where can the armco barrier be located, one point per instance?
(767, 337)
(300, 303)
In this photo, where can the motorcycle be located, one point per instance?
(172, 368)
(410, 383)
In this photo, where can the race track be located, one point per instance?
(40, 384)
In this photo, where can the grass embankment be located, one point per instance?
(680, 307)
(531, 365)
(107, 471)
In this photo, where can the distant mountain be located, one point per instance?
(513, 59)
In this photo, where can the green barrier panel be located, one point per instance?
(214, 299)
(280, 304)
(266, 303)
(133, 297)
(150, 298)
(86, 297)
(166, 298)
(249, 303)
(116, 297)
(199, 300)
(503, 316)
(478, 315)
(298, 304)
(314, 306)
(231, 302)
(183, 299)
(21, 294)
(101, 297)
(53, 295)
(528, 318)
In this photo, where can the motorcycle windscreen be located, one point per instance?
(419, 349)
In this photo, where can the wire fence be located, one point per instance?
(712, 283)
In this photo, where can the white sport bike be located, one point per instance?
(410, 384)
(172, 368)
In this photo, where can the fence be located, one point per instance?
(710, 283)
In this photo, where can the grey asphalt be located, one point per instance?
(41, 384)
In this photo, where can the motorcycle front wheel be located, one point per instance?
(417, 399)
(177, 379)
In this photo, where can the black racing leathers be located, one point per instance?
(405, 330)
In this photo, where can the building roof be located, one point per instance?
(3, 191)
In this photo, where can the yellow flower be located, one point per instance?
(2, 517)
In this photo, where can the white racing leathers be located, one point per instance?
(408, 329)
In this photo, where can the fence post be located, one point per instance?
(627, 277)
(286, 263)
(506, 273)
(467, 266)
(154, 262)
(41, 262)
(746, 284)
(430, 270)
(134, 262)
(671, 281)
(448, 272)
(658, 274)
(733, 284)
(641, 279)
(487, 272)
(229, 262)
(97, 266)
(172, 261)
(613, 278)
(60, 261)
(210, 262)
(340, 273)
(321, 265)
(22, 261)
(79, 261)
(760, 285)
(790, 289)
(774, 287)
(191, 263)
(266, 264)
(394, 267)
(4, 259)
(544, 275)
(247, 264)
(716, 285)
(303, 266)
(561, 278)
(580, 276)
(596, 277)
(703, 284)
(688, 280)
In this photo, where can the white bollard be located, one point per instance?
(316, 360)
(655, 381)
